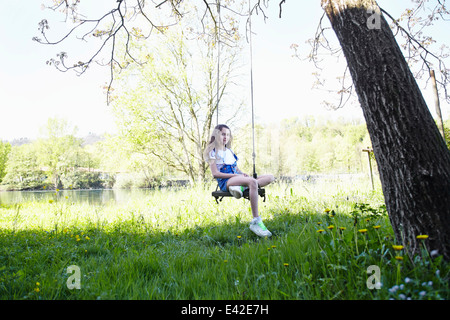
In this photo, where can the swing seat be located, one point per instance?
(219, 194)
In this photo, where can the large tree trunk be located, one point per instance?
(413, 160)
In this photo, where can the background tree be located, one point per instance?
(22, 169)
(59, 150)
(5, 149)
(167, 107)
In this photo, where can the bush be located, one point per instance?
(82, 180)
(135, 180)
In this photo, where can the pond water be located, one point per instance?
(92, 197)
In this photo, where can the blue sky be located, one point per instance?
(31, 91)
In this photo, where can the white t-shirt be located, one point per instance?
(224, 157)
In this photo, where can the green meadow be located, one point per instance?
(331, 240)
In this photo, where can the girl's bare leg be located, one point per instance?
(265, 179)
(252, 184)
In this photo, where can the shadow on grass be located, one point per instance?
(135, 259)
(34, 262)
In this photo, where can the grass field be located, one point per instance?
(179, 244)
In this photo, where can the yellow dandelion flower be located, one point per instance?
(319, 223)
(50, 201)
(330, 227)
(320, 230)
(78, 239)
(37, 290)
(342, 228)
(362, 230)
(286, 264)
(327, 210)
(274, 247)
(376, 227)
(225, 261)
(87, 238)
(422, 236)
(398, 258)
(397, 247)
(37, 284)
(57, 190)
(239, 237)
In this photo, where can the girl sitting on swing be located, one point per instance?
(223, 164)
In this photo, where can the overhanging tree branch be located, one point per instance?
(118, 19)
(416, 48)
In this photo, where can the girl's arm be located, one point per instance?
(240, 172)
(217, 174)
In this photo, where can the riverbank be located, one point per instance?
(161, 184)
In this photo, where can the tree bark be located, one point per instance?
(413, 159)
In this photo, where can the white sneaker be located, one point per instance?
(236, 191)
(258, 227)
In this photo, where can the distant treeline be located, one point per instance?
(291, 148)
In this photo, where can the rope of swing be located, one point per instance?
(251, 78)
(251, 87)
(218, 61)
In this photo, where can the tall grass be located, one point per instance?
(182, 245)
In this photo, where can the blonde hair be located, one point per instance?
(214, 141)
